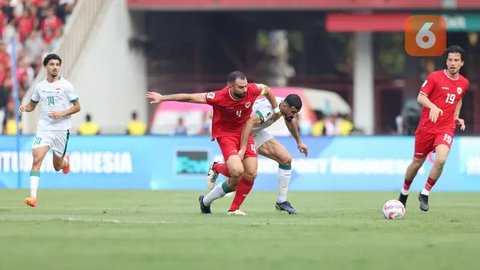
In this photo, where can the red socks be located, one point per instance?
(221, 168)
(406, 184)
(243, 188)
(430, 183)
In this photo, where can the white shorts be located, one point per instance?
(260, 137)
(55, 139)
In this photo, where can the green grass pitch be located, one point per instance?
(100, 229)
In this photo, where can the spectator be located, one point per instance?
(88, 127)
(332, 125)
(25, 24)
(34, 46)
(11, 124)
(136, 127)
(180, 128)
(49, 24)
(206, 123)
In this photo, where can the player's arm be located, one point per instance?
(73, 109)
(292, 126)
(423, 100)
(459, 121)
(246, 130)
(28, 108)
(191, 98)
(267, 92)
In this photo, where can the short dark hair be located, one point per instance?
(88, 117)
(294, 100)
(234, 75)
(51, 56)
(455, 49)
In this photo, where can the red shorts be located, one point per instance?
(426, 142)
(230, 145)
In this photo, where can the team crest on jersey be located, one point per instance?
(247, 105)
(211, 95)
(459, 90)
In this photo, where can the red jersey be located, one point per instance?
(445, 93)
(229, 114)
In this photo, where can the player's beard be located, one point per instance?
(238, 95)
(453, 71)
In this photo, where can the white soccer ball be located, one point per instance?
(393, 209)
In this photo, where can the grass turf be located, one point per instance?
(86, 229)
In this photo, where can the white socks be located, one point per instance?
(34, 185)
(283, 182)
(216, 193)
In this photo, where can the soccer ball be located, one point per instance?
(393, 209)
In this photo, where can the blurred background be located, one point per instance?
(345, 58)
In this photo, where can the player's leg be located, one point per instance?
(273, 149)
(59, 147)
(229, 147)
(214, 170)
(39, 150)
(423, 146)
(442, 148)
(245, 185)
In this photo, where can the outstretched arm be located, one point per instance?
(192, 98)
(292, 126)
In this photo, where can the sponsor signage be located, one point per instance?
(181, 163)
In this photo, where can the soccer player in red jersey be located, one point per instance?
(232, 107)
(441, 99)
(264, 116)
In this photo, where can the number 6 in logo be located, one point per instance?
(425, 35)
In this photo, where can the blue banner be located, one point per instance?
(180, 163)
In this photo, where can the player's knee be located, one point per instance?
(286, 160)
(250, 176)
(236, 171)
(417, 164)
(440, 161)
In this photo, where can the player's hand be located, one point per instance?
(303, 148)
(55, 115)
(241, 153)
(21, 109)
(434, 113)
(155, 97)
(460, 122)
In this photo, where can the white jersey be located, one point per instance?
(54, 97)
(264, 110)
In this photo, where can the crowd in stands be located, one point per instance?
(36, 26)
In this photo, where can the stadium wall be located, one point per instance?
(110, 76)
(180, 163)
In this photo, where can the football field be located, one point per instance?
(100, 229)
